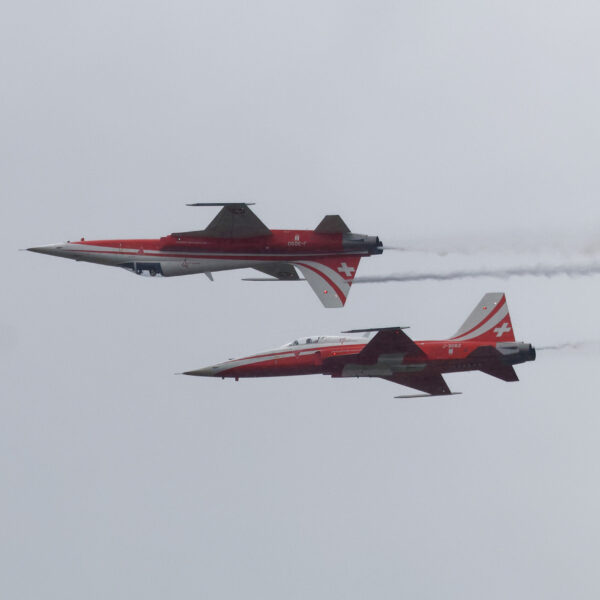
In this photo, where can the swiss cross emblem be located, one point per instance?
(346, 270)
(504, 328)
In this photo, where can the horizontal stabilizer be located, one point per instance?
(501, 371)
(332, 224)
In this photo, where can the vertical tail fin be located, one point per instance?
(330, 278)
(489, 321)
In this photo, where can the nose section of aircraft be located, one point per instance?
(205, 372)
(51, 249)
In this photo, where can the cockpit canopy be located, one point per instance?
(323, 339)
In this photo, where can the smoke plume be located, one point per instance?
(584, 242)
(502, 273)
(582, 345)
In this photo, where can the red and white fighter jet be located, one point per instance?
(236, 238)
(485, 342)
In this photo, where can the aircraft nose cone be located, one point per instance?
(52, 249)
(205, 372)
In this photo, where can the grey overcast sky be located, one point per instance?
(430, 122)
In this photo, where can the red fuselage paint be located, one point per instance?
(344, 360)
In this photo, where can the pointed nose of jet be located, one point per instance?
(51, 249)
(205, 372)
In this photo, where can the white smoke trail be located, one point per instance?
(582, 345)
(582, 243)
(502, 273)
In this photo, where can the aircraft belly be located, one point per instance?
(137, 259)
(380, 369)
(276, 371)
(188, 266)
(177, 266)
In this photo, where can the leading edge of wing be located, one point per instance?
(391, 340)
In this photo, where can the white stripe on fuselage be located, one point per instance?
(98, 252)
(279, 353)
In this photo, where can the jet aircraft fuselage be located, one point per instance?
(485, 343)
(328, 256)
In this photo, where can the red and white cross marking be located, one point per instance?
(346, 270)
(504, 328)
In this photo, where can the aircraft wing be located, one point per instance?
(280, 270)
(390, 340)
(432, 384)
(234, 221)
(330, 278)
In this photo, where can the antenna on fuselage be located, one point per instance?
(221, 204)
(374, 329)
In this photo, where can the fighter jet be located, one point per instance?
(236, 238)
(485, 342)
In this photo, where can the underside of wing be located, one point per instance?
(234, 221)
(280, 270)
(430, 383)
(391, 340)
